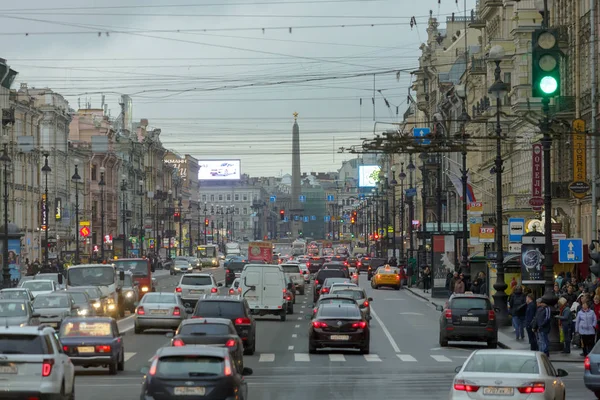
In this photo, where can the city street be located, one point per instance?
(405, 357)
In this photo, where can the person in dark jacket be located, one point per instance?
(565, 318)
(529, 317)
(518, 309)
(542, 326)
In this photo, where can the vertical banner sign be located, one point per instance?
(536, 200)
(532, 258)
(579, 187)
(44, 212)
(58, 209)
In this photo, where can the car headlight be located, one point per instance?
(97, 304)
(129, 295)
(82, 312)
(23, 324)
(111, 307)
(144, 289)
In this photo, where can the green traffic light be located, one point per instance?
(548, 84)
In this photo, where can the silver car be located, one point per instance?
(54, 308)
(515, 374)
(37, 287)
(17, 313)
(181, 265)
(52, 276)
(16, 294)
(192, 286)
(159, 310)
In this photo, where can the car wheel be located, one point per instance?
(121, 364)
(366, 349)
(112, 368)
(443, 341)
(137, 329)
(290, 309)
(282, 315)
(312, 349)
(397, 288)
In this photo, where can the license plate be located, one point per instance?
(470, 319)
(52, 324)
(340, 337)
(85, 349)
(189, 391)
(498, 391)
(8, 369)
(158, 311)
(196, 291)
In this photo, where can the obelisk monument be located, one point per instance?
(297, 211)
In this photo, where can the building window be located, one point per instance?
(95, 209)
(228, 197)
(237, 224)
(236, 197)
(245, 197)
(237, 211)
(245, 211)
(203, 197)
(93, 172)
(220, 197)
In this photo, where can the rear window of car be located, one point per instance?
(470, 303)
(189, 366)
(156, 298)
(383, 271)
(14, 295)
(330, 273)
(219, 309)
(339, 312)
(290, 269)
(196, 280)
(13, 309)
(204, 329)
(22, 344)
(86, 329)
(355, 294)
(336, 301)
(503, 364)
(331, 281)
(236, 265)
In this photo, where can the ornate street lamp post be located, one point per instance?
(76, 178)
(102, 183)
(46, 171)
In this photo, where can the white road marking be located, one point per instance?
(299, 318)
(337, 357)
(385, 331)
(440, 358)
(372, 358)
(301, 312)
(127, 356)
(297, 326)
(266, 358)
(411, 313)
(303, 306)
(394, 299)
(295, 335)
(290, 347)
(406, 358)
(301, 357)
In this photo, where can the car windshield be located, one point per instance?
(158, 298)
(219, 309)
(13, 309)
(51, 301)
(189, 366)
(236, 265)
(137, 267)
(79, 297)
(355, 294)
(93, 292)
(86, 328)
(204, 329)
(21, 344)
(91, 276)
(196, 280)
(503, 364)
(469, 303)
(38, 286)
(182, 261)
(14, 294)
(290, 269)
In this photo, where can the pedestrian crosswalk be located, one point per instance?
(340, 358)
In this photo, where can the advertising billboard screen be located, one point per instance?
(218, 170)
(368, 175)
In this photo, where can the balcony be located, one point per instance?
(478, 66)
(475, 21)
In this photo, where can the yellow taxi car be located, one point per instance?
(386, 276)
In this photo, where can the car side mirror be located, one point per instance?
(60, 279)
(439, 308)
(220, 284)
(170, 335)
(561, 373)
(189, 310)
(144, 370)
(36, 315)
(370, 299)
(247, 371)
(457, 369)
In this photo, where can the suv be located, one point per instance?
(33, 364)
(192, 286)
(233, 269)
(468, 317)
(314, 264)
(324, 274)
(234, 308)
(296, 276)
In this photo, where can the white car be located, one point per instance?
(236, 287)
(40, 286)
(33, 364)
(341, 286)
(295, 275)
(192, 286)
(514, 374)
(305, 272)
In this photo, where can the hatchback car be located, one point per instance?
(192, 286)
(358, 294)
(236, 287)
(338, 326)
(386, 277)
(17, 312)
(159, 310)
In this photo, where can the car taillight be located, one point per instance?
(214, 290)
(358, 264)
(230, 343)
(359, 325)
(176, 312)
(102, 349)
(178, 343)
(491, 315)
(316, 281)
(325, 290)
(195, 317)
(533, 387)
(465, 386)
(448, 313)
(178, 289)
(587, 364)
(66, 349)
(397, 277)
(152, 370)
(227, 371)
(308, 264)
(243, 321)
(319, 324)
(366, 303)
(289, 298)
(140, 311)
(47, 367)
(227, 271)
(314, 310)
(231, 291)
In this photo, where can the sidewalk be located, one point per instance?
(506, 337)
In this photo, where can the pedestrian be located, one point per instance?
(426, 279)
(542, 326)
(529, 318)
(585, 325)
(518, 309)
(409, 274)
(459, 285)
(452, 282)
(565, 324)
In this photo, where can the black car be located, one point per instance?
(234, 269)
(468, 317)
(373, 264)
(314, 264)
(234, 308)
(194, 372)
(338, 326)
(323, 274)
(218, 332)
(352, 262)
(338, 265)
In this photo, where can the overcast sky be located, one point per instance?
(216, 83)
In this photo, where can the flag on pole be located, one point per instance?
(455, 177)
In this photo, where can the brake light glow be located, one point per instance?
(319, 324)
(214, 290)
(231, 291)
(140, 311)
(227, 271)
(227, 370)
(230, 343)
(586, 364)
(397, 277)
(47, 367)
(491, 315)
(325, 290)
(178, 289)
(152, 370)
(448, 313)
(533, 387)
(195, 317)
(102, 349)
(66, 349)
(366, 303)
(314, 310)
(359, 325)
(176, 312)
(178, 343)
(243, 321)
(289, 298)
(465, 386)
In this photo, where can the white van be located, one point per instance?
(264, 288)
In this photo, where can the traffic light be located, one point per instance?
(594, 258)
(545, 65)
(282, 214)
(176, 217)
(206, 222)
(353, 218)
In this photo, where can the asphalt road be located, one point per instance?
(405, 360)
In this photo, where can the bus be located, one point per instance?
(299, 248)
(103, 276)
(208, 255)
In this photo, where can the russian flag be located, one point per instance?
(470, 193)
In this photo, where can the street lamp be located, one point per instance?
(5, 159)
(189, 219)
(124, 212)
(402, 177)
(393, 184)
(141, 232)
(76, 178)
(411, 204)
(499, 90)
(179, 205)
(169, 216)
(45, 220)
(102, 183)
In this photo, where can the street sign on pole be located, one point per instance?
(516, 229)
(305, 219)
(579, 186)
(272, 199)
(302, 198)
(327, 218)
(421, 133)
(330, 197)
(313, 217)
(84, 231)
(570, 251)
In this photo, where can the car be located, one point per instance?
(323, 274)
(305, 272)
(326, 286)
(338, 326)
(295, 275)
(54, 308)
(338, 265)
(93, 342)
(234, 269)
(99, 301)
(159, 310)
(352, 262)
(196, 263)
(265, 289)
(130, 292)
(591, 374)
(193, 372)
(234, 308)
(236, 287)
(358, 294)
(180, 265)
(37, 287)
(192, 286)
(302, 259)
(314, 264)
(218, 332)
(17, 312)
(332, 299)
(371, 265)
(386, 277)
(52, 276)
(468, 317)
(16, 293)
(33, 360)
(515, 374)
(83, 301)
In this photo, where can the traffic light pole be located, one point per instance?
(549, 295)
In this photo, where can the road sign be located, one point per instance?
(330, 197)
(516, 229)
(570, 251)
(273, 199)
(84, 223)
(305, 219)
(536, 202)
(313, 217)
(579, 187)
(302, 198)
(411, 192)
(327, 218)
(84, 231)
(422, 132)
(151, 242)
